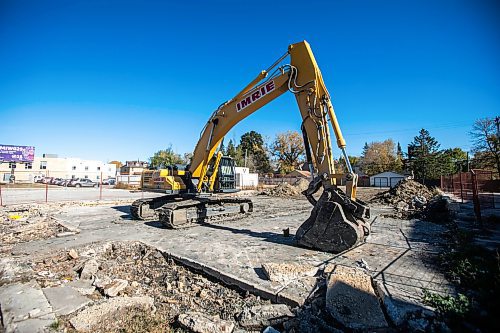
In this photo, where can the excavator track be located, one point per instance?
(146, 209)
(176, 211)
(202, 210)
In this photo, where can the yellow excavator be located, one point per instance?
(338, 220)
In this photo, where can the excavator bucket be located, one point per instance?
(336, 223)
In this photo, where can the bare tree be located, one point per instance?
(485, 140)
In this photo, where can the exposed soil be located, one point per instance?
(174, 288)
(26, 223)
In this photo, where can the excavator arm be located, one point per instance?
(337, 221)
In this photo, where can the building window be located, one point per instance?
(86, 168)
(12, 165)
(98, 168)
(73, 167)
(86, 176)
(73, 176)
(97, 177)
(43, 165)
(28, 165)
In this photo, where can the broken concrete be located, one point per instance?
(25, 308)
(201, 323)
(84, 287)
(351, 300)
(65, 300)
(284, 273)
(93, 315)
(264, 315)
(114, 288)
(89, 269)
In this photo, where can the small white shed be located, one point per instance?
(386, 179)
(245, 179)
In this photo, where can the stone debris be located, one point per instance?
(66, 233)
(407, 193)
(283, 190)
(284, 273)
(73, 254)
(351, 300)
(31, 222)
(260, 316)
(115, 287)
(202, 323)
(89, 269)
(95, 314)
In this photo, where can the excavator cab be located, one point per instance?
(226, 176)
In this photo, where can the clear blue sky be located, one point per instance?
(122, 79)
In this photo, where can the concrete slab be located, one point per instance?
(25, 308)
(351, 300)
(234, 251)
(65, 300)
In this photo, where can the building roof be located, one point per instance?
(389, 174)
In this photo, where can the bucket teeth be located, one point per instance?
(336, 224)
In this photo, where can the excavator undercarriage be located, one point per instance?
(182, 211)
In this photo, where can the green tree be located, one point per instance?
(485, 143)
(423, 154)
(165, 157)
(451, 161)
(252, 146)
(235, 153)
(288, 148)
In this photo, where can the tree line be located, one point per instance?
(423, 157)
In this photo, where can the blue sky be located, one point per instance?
(122, 79)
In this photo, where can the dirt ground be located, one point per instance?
(128, 269)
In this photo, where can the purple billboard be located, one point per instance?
(9, 153)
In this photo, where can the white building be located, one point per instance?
(245, 179)
(53, 166)
(386, 179)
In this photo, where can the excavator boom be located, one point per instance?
(338, 219)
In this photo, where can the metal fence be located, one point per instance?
(476, 186)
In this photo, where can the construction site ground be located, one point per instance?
(220, 270)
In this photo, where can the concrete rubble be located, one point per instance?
(351, 300)
(201, 323)
(240, 276)
(260, 316)
(25, 308)
(284, 273)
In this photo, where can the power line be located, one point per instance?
(443, 126)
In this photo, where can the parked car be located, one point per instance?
(65, 182)
(54, 181)
(82, 182)
(109, 181)
(37, 179)
(47, 180)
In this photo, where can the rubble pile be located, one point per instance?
(182, 298)
(286, 190)
(283, 190)
(406, 195)
(25, 223)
